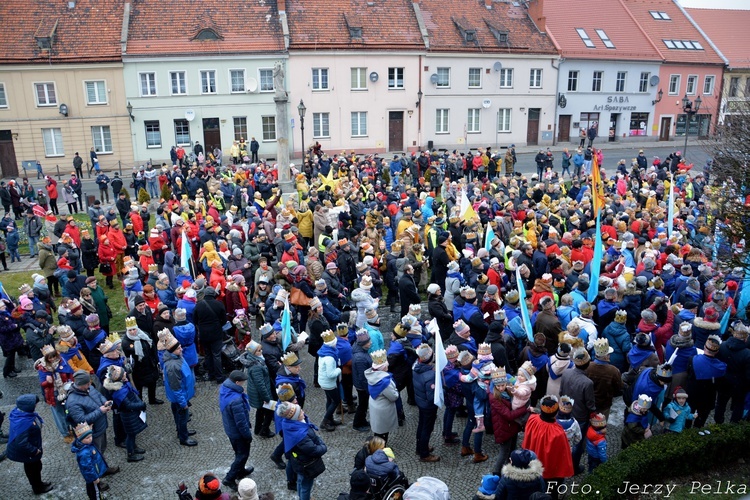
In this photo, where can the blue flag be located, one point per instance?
(744, 299)
(670, 208)
(725, 321)
(525, 318)
(488, 237)
(286, 327)
(186, 253)
(596, 262)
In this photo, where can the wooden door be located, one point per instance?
(8, 164)
(395, 131)
(532, 130)
(211, 134)
(666, 125)
(563, 128)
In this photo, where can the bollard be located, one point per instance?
(58, 172)
(119, 166)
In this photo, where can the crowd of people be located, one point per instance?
(229, 255)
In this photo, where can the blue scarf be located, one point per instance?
(538, 361)
(20, 422)
(458, 276)
(638, 355)
(396, 348)
(293, 380)
(376, 389)
(344, 348)
(327, 350)
(294, 432)
(119, 396)
(706, 367)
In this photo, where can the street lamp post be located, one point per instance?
(302, 109)
(690, 109)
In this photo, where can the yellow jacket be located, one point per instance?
(76, 362)
(305, 223)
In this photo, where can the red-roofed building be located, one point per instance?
(202, 75)
(61, 85)
(727, 29)
(691, 67)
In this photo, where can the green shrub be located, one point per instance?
(670, 455)
(143, 196)
(166, 191)
(127, 195)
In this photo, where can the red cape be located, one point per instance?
(551, 446)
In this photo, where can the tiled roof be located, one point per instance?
(325, 24)
(564, 17)
(678, 27)
(728, 30)
(448, 20)
(172, 27)
(89, 32)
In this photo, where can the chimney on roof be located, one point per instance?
(488, 4)
(281, 5)
(72, 4)
(536, 13)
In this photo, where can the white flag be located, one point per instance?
(441, 361)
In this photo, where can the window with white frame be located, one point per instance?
(153, 133)
(475, 78)
(320, 78)
(96, 92)
(535, 78)
(102, 138)
(596, 82)
(605, 39)
(620, 81)
(659, 16)
(182, 132)
(359, 123)
(643, 82)
(572, 81)
(444, 78)
(240, 127)
(45, 94)
(734, 86)
(441, 121)
(472, 121)
(266, 79)
(269, 128)
(359, 78)
(674, 84)
(503, 120)
(208, 81)
(53, 142)
(506, 78)
(3, 97)
(321, 125)
(237, 80)
(691, 84)
(585, 37)
(708, 84)
(178, 82)
(148, 84)
(395, 78)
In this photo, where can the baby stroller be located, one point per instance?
(427, 488)
(230, 354)
(389, 488)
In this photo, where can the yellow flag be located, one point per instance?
(597, 187)
(467, 211)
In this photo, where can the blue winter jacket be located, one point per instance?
(379, 466)
(90, 460)
(619, 340)
(83, 406)
(361, 361)
(184, 332)
(179, 381)
(424, 385)
(235, 411)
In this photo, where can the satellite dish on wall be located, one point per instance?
(252, 85)
(189, 115)
(434, 78)
(486, 103)
(497, 66)
(654, 81)
(374, 77)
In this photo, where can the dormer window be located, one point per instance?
(45, 34)
(354, 23)
(466, 29)
(355, 32)
(585, 37)
(207, 34)
(500, 34)
(470, 36)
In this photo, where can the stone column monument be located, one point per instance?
(282, 129)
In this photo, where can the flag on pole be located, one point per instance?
(525, 318)
(286, 326)
(488, 236)
(725, 321)
(595, 264)
(186, 252)
(743, 302)
(466, 210)
(670, 207)
(597, 186)
(441, 361)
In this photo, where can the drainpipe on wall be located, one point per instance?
(419, 111)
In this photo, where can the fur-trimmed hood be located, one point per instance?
(706, 325)
(481, 496)
(233, 287)
(532, 473)
(111, 386)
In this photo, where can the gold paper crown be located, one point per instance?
(106, 346)
(644, 402)
(498, 374)
(285, 392)
(153, 268)
(289, 359)
(130, 322)
(48, 349)
(379, 357)
(82, 429)
(114, 337)
(342, 329)
(328, 336)
(484, 349)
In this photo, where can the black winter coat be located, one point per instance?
(146, 370)
(210, 315)
(90, 257)
(438, 310)
(361, 361)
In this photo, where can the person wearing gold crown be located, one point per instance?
(130, 407)
(54, 373)
(383, 396)
(139, 349)
(179, 384)
(90, 461)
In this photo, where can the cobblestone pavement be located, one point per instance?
(167, 463)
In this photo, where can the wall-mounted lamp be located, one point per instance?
(15, 136)
(660, 94)
(411, 112)
(130, 111)
(419, 98)
(64, 109)
(562, 101)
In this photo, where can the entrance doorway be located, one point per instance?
(8, 164)
(666, 125)
(211, 134)
(532, 128)
(395, 131)
(563, 128)
(613, 119)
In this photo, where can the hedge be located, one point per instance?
(666, 456)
